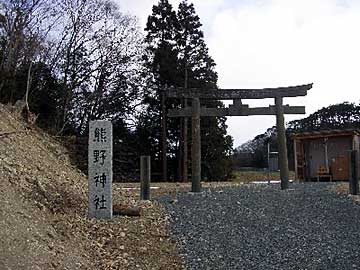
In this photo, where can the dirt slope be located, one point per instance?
(43, 223)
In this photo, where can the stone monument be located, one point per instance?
(100, 170)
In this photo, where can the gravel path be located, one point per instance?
(262, 227)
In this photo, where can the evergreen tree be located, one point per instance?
(194, 56)
(339, 116)
(181, 59)
(163, 64)
(198, 71)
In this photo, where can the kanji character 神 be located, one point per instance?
(100, 179)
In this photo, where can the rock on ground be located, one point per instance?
(43, 212)
(262, 227)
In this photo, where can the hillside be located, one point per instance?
(43, 219)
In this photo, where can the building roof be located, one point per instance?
(325, 134)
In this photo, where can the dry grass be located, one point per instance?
(43, 213)
(160, 188)
(251, 176)
(343, 188)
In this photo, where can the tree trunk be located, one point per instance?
(28, 86)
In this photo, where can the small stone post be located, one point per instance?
(145, 173)
(283, 160)
(196, 147)
(100, 170)
(353, 174)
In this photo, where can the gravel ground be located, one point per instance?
(262, 227)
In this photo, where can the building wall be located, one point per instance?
(274, 163)
(356, 146)
(356, 143)
(339, 146)
(315, 148)
(315, 156)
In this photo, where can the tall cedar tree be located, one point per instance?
(180, 51)
(161, 28)
(199, 68)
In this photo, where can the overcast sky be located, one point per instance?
(273, 43)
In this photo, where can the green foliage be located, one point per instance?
(193, 53)
(257, 149)
(44, 97)
(181, 59)
(339, 116)
(216, 148)
(77, 61)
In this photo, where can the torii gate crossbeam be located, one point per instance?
(238, 109)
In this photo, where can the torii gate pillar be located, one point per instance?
(283, 159)
(196, 146)
(238, 109)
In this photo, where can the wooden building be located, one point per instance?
(324, 155)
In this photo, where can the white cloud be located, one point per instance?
(271, 43)
(283, 43)
(142, 8)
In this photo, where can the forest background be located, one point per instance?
(73, 61)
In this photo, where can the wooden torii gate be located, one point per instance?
(237, 109)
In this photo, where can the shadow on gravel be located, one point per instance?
(262, 227)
